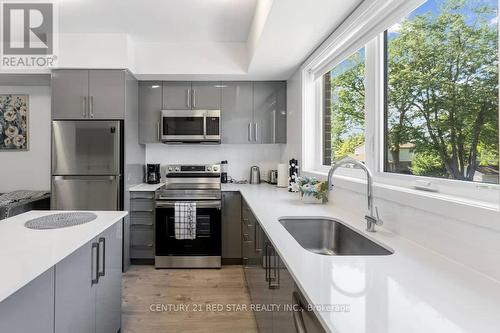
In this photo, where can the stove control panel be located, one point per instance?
(193, 168)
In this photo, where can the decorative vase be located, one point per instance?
(309, 199)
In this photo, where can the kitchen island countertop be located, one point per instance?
(27, 253)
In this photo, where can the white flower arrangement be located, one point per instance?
(311, 187)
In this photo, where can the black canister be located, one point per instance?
(223, 172)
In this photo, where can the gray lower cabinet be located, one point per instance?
(142, 225)
(80, 294)
(268, 281)
(88, 94)
(150, 106)
(31, 308)
(237, 112)
(231, 225)
(88, 286)
(109, 288)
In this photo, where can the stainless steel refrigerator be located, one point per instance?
(86, 165)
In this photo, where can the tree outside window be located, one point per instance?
(442, 92)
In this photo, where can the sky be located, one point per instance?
(433, 7)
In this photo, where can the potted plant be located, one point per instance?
(312, 190)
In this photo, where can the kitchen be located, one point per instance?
(264, 166)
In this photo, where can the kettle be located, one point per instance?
(254, 175)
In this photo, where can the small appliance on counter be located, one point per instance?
(273, 177)
(282, 175)
(223, 172)
(254, 175)
(153, 174)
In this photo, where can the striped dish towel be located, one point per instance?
(185, 220)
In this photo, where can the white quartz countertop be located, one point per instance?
(27, 253)
(145, 187)
(413, 290)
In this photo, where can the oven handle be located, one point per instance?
(199, 204)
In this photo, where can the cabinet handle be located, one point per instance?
(91, 104)
(102, 241)
(256, 238)
(274, 126)
(255, 133)
(84, 107)
(188, 98)
(250, 132)
(274, 283)
(95, 267)
(204, 123)
(194, 98)
(266, 261)
(298, 320)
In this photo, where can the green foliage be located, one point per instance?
(428, 164)
(443, 86)
(442, 92)
(348, 107)
(348, 145)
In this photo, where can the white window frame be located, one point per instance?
(452, 196)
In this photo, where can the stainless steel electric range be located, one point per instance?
(200, 184)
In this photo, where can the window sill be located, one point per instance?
(481, 213)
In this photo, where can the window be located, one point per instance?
(343, 101)
(441, 107)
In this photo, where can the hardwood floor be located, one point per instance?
(186, 301)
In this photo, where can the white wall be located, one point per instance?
(240, 157)
(460, 240)
(29, 169)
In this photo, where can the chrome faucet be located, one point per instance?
(371, 220)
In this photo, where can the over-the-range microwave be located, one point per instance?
(190, 126)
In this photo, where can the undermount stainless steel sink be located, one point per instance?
(331, 237)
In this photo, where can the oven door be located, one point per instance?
(208, 230)
(190, 125)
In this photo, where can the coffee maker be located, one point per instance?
(153, 173)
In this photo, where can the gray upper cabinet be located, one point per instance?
(237, 111)
(206, 95)
(150, 106)
(269, 105)
(186, 95)
(70, 94)
(107, 94)
(88, 94)
(177, 95)
(254, 112)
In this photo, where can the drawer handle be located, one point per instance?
(142, 246)
(144, 224)
(298, 320)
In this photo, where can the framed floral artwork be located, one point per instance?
(13, 122)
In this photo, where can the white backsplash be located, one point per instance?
(240, 157)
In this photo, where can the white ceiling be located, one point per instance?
(254, 39)
(169, 21)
